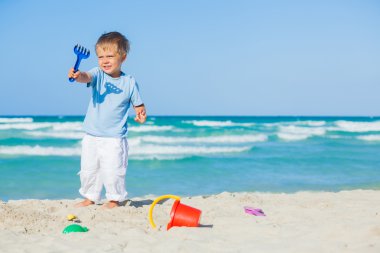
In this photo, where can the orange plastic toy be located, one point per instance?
(181, 215)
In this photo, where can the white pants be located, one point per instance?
(104, 161)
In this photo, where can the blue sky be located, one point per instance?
(199, 57)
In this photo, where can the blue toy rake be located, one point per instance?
(82, 53)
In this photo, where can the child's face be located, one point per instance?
(110, 60)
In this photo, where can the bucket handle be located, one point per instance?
(155, 202)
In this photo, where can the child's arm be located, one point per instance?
(140, 113)
(80, 77)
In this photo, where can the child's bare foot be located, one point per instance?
(111, 204)
(84, 203)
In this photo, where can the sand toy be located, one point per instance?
(74, 228)
(82, 53)
(71, 217)
(181, 215)
(254, 211)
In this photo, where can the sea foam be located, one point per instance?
(138, 151)
(224, 139)
(211, 123)
(39, 151)
(149, 128)
(173, 152)
(16, 120)
(296, 133)
(360, 127)
(75, 126)
(317, 123)
(60, 135)
(373, 137)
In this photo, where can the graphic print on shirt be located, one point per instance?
(110, 89)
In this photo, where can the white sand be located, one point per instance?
(347, 221)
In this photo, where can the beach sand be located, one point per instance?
(347, 221)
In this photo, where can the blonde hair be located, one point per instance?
(113, 39)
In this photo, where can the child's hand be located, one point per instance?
(73, 74)
(140, 115)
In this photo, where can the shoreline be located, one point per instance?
(205, 195)
(345, 221)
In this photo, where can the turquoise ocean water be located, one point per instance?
(40, 156)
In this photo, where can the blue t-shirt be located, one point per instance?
(107, 113)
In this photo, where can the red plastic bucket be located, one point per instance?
(183, 215)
